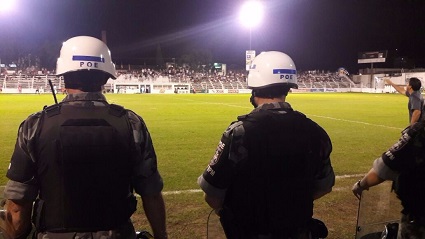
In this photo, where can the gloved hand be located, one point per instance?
(358, 189)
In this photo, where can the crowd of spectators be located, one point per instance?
(200, 79)
(216, 79)
(177, 74)
(323, 79)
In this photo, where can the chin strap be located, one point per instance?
(251, 99)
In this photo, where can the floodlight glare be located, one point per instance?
(7, 5)
(251, 13)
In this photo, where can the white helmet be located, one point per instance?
(85, 53)
(272, 68)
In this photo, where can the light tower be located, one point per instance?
(250, 15)
(7, 5)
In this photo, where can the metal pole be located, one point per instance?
(250, 36)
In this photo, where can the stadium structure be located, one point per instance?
(183, 80)
(368, 80)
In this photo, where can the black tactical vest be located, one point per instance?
(410, 188)
(273, 191)
(84, 168)
(407, 157)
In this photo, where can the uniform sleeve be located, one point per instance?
(416, 103)
(21, 172)
(218, 175)
(325, 177)
(20, 191)
(383, 170)
(146, 177)
(402, 155)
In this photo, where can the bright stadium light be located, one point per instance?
(7, 5)
(251, 15)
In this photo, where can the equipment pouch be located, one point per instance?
(318, 228)
(390, 232)
(37, 214)
(227, 222)
(132, 205)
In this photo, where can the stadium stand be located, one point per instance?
(199, 82)
(143, 79)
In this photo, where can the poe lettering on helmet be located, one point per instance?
(287, 74)
(89, 61)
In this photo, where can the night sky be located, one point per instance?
(317, 34)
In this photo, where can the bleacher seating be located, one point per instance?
(199, 81)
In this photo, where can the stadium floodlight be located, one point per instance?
(7, 5)
(251, 15)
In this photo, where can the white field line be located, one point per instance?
(199, 190)
(349, 176)
(357, 122)
(214, 103)
(318, 116)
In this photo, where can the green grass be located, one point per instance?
(186, 129)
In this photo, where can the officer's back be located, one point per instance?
(81, 159)
(271, 163)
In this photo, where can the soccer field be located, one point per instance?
(186, 129)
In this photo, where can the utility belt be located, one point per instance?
(125, 231)
(300, 233)
(110, 219)
(314, 228)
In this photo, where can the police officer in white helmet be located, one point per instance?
(270, 164)
(79, 161)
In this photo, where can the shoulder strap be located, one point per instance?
(116, 110)
(52, 110)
